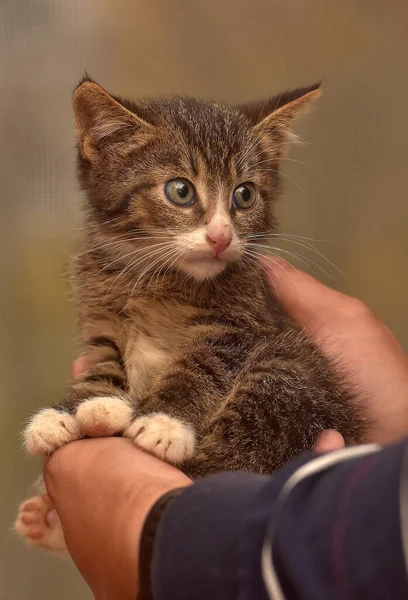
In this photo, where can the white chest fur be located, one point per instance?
(146, 358)
(155, 332)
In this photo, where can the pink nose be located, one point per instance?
(220, 242)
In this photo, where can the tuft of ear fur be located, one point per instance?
(101, 119)
(275, 114)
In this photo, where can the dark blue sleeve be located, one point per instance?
(336, 535)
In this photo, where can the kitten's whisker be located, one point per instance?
(179, 253)
(301, 258)
(300, 242)
(257, 274)
(140, 259)
(146, 270)
(175, 257)
(162, 261)
(136, 251)
(298, 257)
(304, 244)
(94, 226)
(287, 177)
(276, 265)
(127, 268)
(122, 272)
(169, 257)
(307, 246)
(122, 239)
(289, 235)
(298, 162)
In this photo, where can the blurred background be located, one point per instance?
(351, 190)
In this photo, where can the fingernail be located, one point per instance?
(79, 366)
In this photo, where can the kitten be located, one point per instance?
(191, 358)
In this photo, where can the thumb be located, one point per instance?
(306, 300)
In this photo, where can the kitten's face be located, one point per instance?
(181, 183)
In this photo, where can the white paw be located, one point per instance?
(104, 416)
(38, 523)
(165, 437)
(48, 430)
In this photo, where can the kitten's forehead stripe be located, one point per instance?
(216, 133)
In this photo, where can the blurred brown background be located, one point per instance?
(353, 193)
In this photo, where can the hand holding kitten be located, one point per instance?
(370, 357)
(342, 325)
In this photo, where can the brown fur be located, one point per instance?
(215, 353)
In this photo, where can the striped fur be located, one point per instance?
(188, 354)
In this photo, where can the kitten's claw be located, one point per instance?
(48, 430)
(104, 416)
(38, 523)
(165, 437)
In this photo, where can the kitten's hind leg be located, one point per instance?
(38, 523)
(284, 397)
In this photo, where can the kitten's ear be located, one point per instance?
(276, 114)
(101, 119)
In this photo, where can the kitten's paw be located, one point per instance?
(104, 416)
(48, 430)
(165, 437)
(38, 523)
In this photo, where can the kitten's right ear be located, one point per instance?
(101, 120)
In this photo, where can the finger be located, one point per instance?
(79, 366)
(329, 440)
(301, 295)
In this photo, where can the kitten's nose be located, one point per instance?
(220, 241)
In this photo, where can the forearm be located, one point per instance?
(338, 532)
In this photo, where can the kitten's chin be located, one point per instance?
(203, 268)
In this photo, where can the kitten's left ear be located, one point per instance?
(276, 114)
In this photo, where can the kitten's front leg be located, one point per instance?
(177, 411)
(96, 403)
(169, 438)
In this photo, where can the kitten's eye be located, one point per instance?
(244, 196)
(180, 191)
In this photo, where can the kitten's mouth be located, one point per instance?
(208, 259)
(204, 267)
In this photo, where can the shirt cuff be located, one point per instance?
(198, 545)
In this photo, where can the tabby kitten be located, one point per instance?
(191, 359)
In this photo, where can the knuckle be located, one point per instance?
(355, 310)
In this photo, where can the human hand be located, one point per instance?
(369, 355)
(103, 490)
(104, 541)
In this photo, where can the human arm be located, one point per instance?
(338, 531)
(343, 326)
